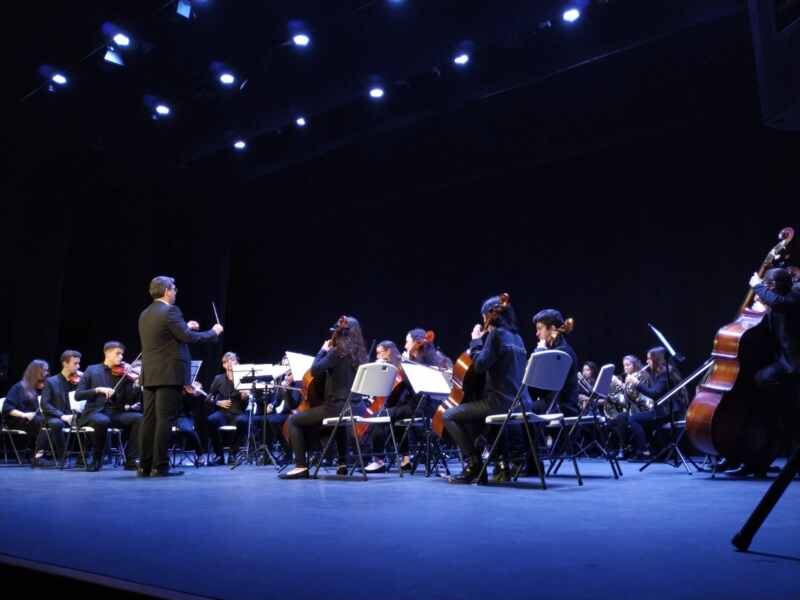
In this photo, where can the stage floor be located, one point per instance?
(219, 533)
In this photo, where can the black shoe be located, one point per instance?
(501, 474)
(219, 461)
(140, 472)
(131, 466)
(167, 473)
(408, 467)
(342, 470)
(96, 465)
(470, 473)
(200, 461)
(232, 458)
(299, 475)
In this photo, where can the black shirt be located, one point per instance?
(502, 356)
(660, 386)
(55, 396)
(17, 399)
(100, 375)
(339, 372)
(784, 323)
(222, 388)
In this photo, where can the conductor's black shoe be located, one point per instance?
(298, 475)
(166, 473)
(342, 470)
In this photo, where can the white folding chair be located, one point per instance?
(371, 380)
(570, 426)
(80, 433)
(546, 370)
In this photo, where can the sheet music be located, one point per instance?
(299, 363)
(426, 380)
(195, 369)
(259, 370)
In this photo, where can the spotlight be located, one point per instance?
(59, 79)
(163, 110)
(184, 8)
(571, 15)
(462, 59)
(122, 40)
(301, 121)
(376, 93)
(301, 39)
(227, 79)
(240, 145)
(113, 57)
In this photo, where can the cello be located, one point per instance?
(467, 383)
(313, 391)
(724, 418)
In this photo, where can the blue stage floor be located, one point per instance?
(219, 533)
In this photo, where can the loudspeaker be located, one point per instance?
(776, 40)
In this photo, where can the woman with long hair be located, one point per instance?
(21, 408)
(337, 362)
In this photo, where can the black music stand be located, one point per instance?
(246, 456)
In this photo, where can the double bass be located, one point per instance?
(724, 418)
(467, 383)
(313, 391)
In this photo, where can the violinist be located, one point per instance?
(21, 408)
(498, 351)
(551, 328)
(113, 399)
(662, 378)
(337, 361)
(419, 347)
(779, 381)
(403, 408)
(230, 406)
(55, 398)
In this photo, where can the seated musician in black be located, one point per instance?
(285, 398)
(551, 333)
(663, 377)
(230, 409)
(113, 399)
(780, 380)
(586, 381)
(338, 365)
(192, 422)
(55, 399)
(21, 407)
(500, 354)
(404, 404)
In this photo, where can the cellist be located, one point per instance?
(337, 361)
(498, 351)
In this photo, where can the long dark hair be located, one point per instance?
(394, 352)
(506, 318)
(350, 343)
(36, 371)
(426, 352)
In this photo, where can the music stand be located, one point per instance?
(254, 378)
(672, 452)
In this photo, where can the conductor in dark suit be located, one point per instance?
(166, 370)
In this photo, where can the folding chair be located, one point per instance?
(9, 434)
(79, 433)
(371, 380)
(571, 426)
(545, 370)
(428, 445)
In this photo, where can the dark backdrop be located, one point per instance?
(637, 189)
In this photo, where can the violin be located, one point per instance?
(467, 384)
(75, 378)
(131, 371)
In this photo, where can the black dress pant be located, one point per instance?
(643, 423)
(306, 426)
(128, 422)
(781, 391)
(55, 429)
(222, 418)
(161, 406)
(467, 421)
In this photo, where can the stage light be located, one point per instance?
(59, 79)
(122, 40)
(113, 57)
(376, 93)
(184, 9)
(462, 59)
(301, 121)
(571, 15)
(163, 110)
(240, 145)
(227, 79)
(301, 39)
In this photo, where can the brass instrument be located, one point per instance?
(636, 398)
